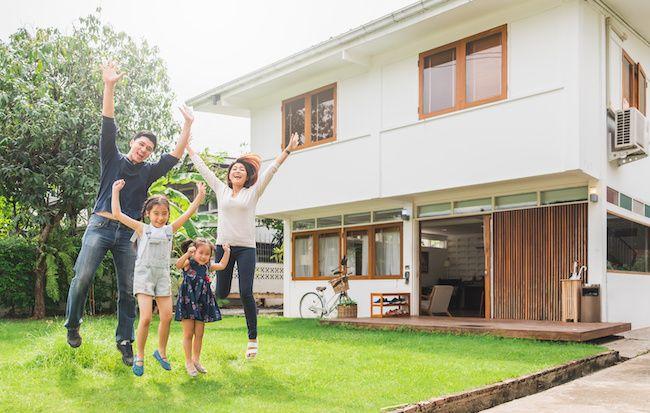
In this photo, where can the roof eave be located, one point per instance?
(215, 95)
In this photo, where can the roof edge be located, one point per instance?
(371, 27)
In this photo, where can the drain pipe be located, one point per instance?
(608, 96)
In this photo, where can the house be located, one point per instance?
(464, 143)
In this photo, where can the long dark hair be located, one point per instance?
(151, 202)
(251, 163)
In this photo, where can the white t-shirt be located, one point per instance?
(236, 215)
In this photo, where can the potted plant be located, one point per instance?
(347, 307)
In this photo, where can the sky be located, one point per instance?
(207, 43)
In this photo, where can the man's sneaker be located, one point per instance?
(74, 339)
(126, 349)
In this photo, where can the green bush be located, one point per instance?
(17, 265)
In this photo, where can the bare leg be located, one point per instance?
(188, 335)
(199, 328)
(145, 304)
(165, 314)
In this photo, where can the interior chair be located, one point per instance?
(437, 302)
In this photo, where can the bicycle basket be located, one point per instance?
(340, 284)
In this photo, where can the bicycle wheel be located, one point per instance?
(311, 306)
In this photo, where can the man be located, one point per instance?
(104, 233)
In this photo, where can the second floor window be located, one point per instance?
(462, 74)
(312, 116)
(634, 85)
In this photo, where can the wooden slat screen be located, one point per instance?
(533, 249)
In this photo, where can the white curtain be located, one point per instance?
(328, 254)
(304, 256)
(387, 251)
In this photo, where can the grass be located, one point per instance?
(302, 366)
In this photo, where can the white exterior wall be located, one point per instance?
(530, 133)
(624, 296)
(552, 122)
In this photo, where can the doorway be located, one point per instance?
(453, 255)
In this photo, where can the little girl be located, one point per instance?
(196, 304)
(151, 276)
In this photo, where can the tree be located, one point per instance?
(50, 99)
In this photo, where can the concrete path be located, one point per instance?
(621, 388)
(630, 344)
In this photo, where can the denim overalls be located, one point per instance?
(152, 273)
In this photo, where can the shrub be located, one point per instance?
(17, 266)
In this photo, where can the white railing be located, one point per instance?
(268, 278)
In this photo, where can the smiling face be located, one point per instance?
(141, 149)
(158, 215)
(203, 253)
(238, 175)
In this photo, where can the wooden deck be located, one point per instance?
(538, 330)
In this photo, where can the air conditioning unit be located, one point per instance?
(630, 138)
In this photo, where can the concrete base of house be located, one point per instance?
(505, 391)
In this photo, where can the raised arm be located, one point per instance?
(107, 147)
(266, 176)
(111, 76)
(188, 118)
(183, 261)
(192, 209)
(209, 176)
(117, 210)
(224, 259)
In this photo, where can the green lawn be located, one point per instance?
(302, 366)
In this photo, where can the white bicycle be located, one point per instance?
(314, 304)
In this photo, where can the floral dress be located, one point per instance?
(196, 300)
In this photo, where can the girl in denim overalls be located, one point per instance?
(151, 277)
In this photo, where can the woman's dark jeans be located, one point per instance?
(245, 259)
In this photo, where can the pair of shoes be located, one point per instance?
(126, 349)
(138, 370)
(164, 363)
(74, 339)
(251, 351)
(191, 370)
(199, 367)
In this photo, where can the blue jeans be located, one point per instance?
(103, 235)
(245, 259)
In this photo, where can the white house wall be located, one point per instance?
(552, 122)
(631, 178)
(627, 299)
(626, 295)
(382, 149)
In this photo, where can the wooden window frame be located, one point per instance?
(371, 249)
(314, 235)
(635, 84)
(460, 92)
(342, 232)
(633, 98)
(400, 227)
(638, 86)
(307, 97)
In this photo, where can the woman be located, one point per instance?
(236, 203)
